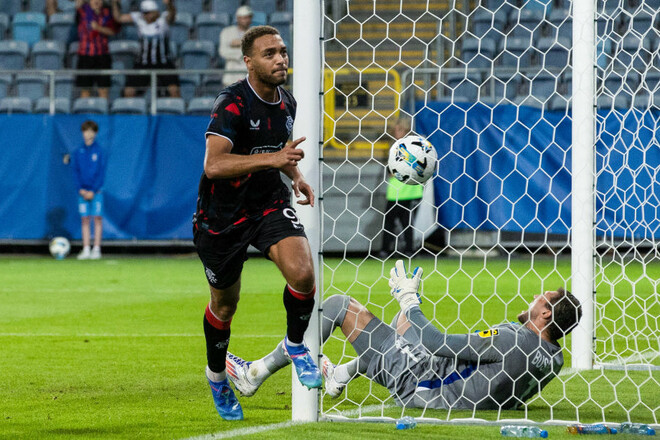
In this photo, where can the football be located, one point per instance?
(59, 247)
(412, 160)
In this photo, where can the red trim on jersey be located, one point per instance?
(214, 115)
(239, 221)
(300, 295)
(233, 108)
(215, 321)
(282, 105)
(269, 124)
(268, 211)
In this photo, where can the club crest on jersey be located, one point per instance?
(254, 125)
(95, 157)
(488, 333)
(289, 125)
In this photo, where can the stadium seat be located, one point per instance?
(503, 85)
(180, 29)
(641, 22)
(28, 26)
(11, 7)
(48, 54)
(483, 22)
(64, 85)
(62, 105)
(196, 54)
(128, 32)
(211, 85)
(60, 26)
(72, 55)
(259, 18)
(67, 5)
(32, 86)
(15, 105)
(632, 51)
(225, 6)
(98, 106)
(543, 85)
(478, 53)
(267, 6)
(528, 100)
(641, 101)
(193, 7)
(36, 5)
(516, 52)
(13, 54)
(652, 80)
(605, 102)
(283, 21)
(562, 24)
(210, 24)
(559, 103)
(132, 106)
(123, 53)
(188, 85)
(201, 106)
(5, 83)
(526, 23)
(170, 106)
(555, 53)
(615, 83)
(464, 86)
(4, 25)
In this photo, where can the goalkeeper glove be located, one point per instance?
(404, 289)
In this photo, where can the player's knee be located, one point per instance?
(303, 280)
(336, 305)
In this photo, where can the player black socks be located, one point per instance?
(299, 307)
(217, 340)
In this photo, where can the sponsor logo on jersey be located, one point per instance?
(266, 149)
(488, 333)
(542, 362)
(254, 125)
(211, 276)
(289, 125)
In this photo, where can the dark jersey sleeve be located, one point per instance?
(488, 346)
(225, 117)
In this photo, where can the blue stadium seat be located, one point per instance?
(201, 106)
(5, 83)
(188, 85)
(283, 21)
(210, 24)
(15, 105)
(97, 106)
(641, 22)
(211, 85)
(196, 54)
(225, 6)
(123, 53)
(193, 7)
(37, 5)
(559, 103)
(48, 54)
(478, 53)
(180, 29)
(28, 26)
(60, 26)
(516, 51)
(526, 23)
(652, 80)
(267, 6)
(170, 106)
(62, 105)
(605, 102)
(562, 24)
(632, 51)
(13, 54)
(4, 25)
(128, 32)
(537, 5)
(11, 7)
(32, 86)
(543, 85)
(464, 87)
(67, 5)
(259, 18)
(132, 106)
(504, 85)
(555, 53)
(641, 101)
(484, 22)
(64, 86)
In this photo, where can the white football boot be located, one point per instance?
(238, 373)
(332, 387)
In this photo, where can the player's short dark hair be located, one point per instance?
(566, 313)
(252, 34)
(89, 125)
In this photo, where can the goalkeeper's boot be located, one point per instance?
(225, 400)
(238, 373)
(307, 371)
(332, 387)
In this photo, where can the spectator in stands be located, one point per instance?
(402, 202)
(95, 24)
(230, 46)
(153, 30)
(89, 173)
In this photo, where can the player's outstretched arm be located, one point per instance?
(220, 163)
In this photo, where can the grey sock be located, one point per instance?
(334, 312)
(276, 359)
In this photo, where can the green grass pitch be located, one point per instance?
(114, 349)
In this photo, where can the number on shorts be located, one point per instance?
(290, 214)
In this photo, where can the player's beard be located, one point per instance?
(270, 78)
(523, 317)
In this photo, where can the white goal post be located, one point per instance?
(549, 168)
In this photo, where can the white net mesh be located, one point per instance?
(490, 85)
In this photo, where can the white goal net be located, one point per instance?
(490, 84)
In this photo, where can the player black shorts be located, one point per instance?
(95, 62)
(142, 82)
(224, 253)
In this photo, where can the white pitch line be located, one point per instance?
(246, 431)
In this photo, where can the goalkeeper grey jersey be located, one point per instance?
(501, 367)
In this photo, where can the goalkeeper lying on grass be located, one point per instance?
(422, 367)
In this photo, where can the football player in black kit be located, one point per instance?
(243, 201)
